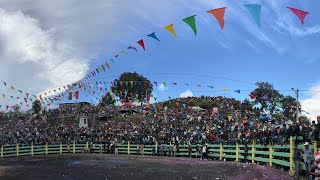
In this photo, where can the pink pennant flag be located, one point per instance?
(301, 14)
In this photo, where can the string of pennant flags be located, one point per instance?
(219, 13)
(253, 9)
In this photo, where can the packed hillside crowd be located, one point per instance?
(232, 122)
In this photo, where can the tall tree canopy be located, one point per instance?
(132, 86)
(289, 107)
(266, 96)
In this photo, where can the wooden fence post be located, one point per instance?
(252, 152)
(60, 148)
(17, 150)
(237, 152)
(2, 151)
(32, 149)
(74, 147)
(270, 156)
(221, 151)
(156, 148)
(129, 147)
(291, 153)
(46, 148)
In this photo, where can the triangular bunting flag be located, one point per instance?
(141, 43)
(171, 29)
(301, 14)
(131, 47)
(255, 11)
(123, 52)
(153, 35)
(191, 21)
(237, 91)
(219, 15)
(252, 96)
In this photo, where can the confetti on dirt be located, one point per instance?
(87, 166)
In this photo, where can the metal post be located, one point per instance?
(32, 149)
(297, 103)
(60, 148)
(291, 154)
(46, 148)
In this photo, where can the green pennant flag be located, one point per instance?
(278, 104)
(191, 21)
(164, 84)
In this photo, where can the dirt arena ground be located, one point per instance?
(110, 167)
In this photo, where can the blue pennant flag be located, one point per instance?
(153, 35)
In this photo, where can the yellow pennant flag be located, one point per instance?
(224, 89)
(229, 117)
(131, 82)
(100, 69)
(3, 95)
(12, 87)
(171, 29)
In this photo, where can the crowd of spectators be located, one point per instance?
(232, 122)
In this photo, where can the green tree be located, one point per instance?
(266, 89)
(289, 107)
(131, 86)
(36, 107)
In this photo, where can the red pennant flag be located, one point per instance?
(77, 95)
(141, 43)
(120, 83)
(7, 107)
(301, 14)
(107, 65)
(219, 15)
(252, 96)
(116, 56)
(27, 94)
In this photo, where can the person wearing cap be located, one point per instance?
(307, 159)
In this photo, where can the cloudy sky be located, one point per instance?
(45, 45)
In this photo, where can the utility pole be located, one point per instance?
(297, 105)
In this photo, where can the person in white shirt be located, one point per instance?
(204, 151)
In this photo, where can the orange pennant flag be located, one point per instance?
(171, 29)
(219, 15)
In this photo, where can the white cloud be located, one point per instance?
(311, 105)
(162, 87)
(32, 59)
(187, 93)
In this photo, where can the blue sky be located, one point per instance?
(281, 51)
